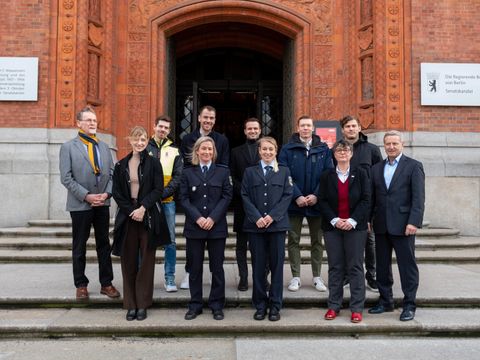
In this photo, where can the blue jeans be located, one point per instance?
(170, 250)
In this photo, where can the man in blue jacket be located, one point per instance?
(307, 157)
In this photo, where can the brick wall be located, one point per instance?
(25, 31)
(444, 31)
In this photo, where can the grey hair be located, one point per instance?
(393, 133)
(86, 109)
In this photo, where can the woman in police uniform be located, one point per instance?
(266, 193)
(205, 193)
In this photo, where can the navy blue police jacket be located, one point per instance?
(205, 196)
(266, 195)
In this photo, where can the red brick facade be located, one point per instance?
(350, 56)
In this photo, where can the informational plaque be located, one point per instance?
(18, 78)
(450, 84)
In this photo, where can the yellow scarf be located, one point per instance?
(91, 142)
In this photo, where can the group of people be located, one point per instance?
(363, 207)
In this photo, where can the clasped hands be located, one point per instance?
(264, 222)
(205, 223)
(96, 199)
(343, 224)
(308, 200)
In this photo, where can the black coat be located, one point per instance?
(403, 202)
(270, 195)
(359, 197)
(150, 177)
(365, 154)
(241, 158)
(205, 196)
(221, 145)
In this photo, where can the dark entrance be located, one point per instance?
(238, 83)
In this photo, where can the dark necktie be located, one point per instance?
(204, 170)
(268, 168)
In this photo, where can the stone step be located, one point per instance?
(75, 322)
(65, 243)
(63, 228)
(54, 256)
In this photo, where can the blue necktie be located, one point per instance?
(268, 168)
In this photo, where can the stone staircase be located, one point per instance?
(50, 241)
(37, 295)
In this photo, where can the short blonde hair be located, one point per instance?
(138, 131)
(196, 146)
(268, 139)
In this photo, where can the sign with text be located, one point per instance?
(450, 84)
(18, 78)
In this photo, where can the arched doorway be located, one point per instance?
(239, 83)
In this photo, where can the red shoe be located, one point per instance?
(331, 314)
(356, 317)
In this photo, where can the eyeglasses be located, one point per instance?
(342, 150)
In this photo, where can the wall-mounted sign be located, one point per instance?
(450, 84)
(18, 78)
(328, 130)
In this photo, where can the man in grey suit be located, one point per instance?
(398, 206)
(86, 168)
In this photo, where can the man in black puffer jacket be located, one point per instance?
(365, 155)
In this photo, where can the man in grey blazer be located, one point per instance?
(398, 206)
(86, 168)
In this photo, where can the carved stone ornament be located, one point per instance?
(394, 31)
(394, 119)
(365, 38)
(67, 26)
(366, 117)
(95, 35)
(67, 71)
(394, 97)
(394, 75)
(394, 53)
(68, 4)
(393, 9)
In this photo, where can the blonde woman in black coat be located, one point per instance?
(140, 226)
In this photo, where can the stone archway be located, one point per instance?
(144, 85)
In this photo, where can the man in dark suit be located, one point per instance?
(86, 168)
(243, 156)
(398, 206)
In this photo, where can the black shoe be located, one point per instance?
(131, 314)
(192, 314)
(379, 309)
(218, 314)
(372, 285)
(141, 314)
(407, 315)
(260, 314)
(243, 284)
(274, 315)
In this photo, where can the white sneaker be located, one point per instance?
(171, 288)
(294, 284)
(318, 284)
(170, 285)
(184, 285)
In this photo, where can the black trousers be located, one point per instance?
(82, 222)
(241, 247)
(345, 257)
(195, 257)
(404, 247)
(268, 247)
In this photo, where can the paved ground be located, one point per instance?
(243, 348)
